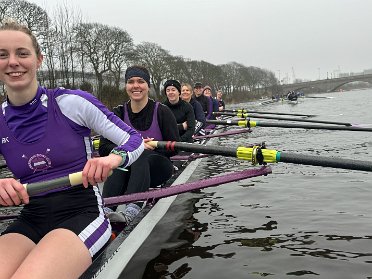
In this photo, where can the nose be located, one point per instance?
(13, 60)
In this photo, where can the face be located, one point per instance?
(186, 93)
(207, 92)
(137, 89)
(198, 91)
(172, 94)
(18, 61)
(219, 95)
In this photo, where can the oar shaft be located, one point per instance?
(266, 112)
(268, 156)
(245, 115)
(189, 147)
(312, 126)
(246, 123)
(324, 161)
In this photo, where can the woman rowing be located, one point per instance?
(186, 95)
(154, 121)
(46, 135)
(212, 106)
(181, 109)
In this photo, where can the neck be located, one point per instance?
(173, 102)
(22, 97)
(137, 106)
(187, 100)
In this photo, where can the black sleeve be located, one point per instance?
(168, 127)
(105, 145)
(190, 120)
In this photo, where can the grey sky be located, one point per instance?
(305, 37)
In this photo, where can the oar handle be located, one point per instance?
(37, 188)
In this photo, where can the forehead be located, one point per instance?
(136, 79)
(14, 39)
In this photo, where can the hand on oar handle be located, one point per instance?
(12, 192)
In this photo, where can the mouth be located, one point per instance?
(15, 74)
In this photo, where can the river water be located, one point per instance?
(300, 221)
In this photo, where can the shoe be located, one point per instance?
(130, 212)
(107, 210)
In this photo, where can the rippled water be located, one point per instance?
(299, 221)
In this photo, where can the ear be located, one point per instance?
(39, 61)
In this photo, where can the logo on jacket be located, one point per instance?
(39, 162)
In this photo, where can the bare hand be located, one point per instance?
(149, 147)
(97, 170)
(12, 192)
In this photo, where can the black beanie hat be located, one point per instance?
(172, 82)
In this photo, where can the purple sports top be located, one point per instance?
(154, 130)
(49, 137)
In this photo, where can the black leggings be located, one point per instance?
(149, 170)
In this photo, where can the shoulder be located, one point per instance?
(118, 110)
(73, 95)
(186, 105)
(163, 108)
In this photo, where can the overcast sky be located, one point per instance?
(293, 38)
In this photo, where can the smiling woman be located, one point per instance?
(36, 123)
(181, 109)
(154, 121)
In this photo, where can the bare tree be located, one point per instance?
(95, 40)
(65, 20)
(156, 60)
(123, 52)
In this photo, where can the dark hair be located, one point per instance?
(12, 25)
(137, 71)
(172, 82)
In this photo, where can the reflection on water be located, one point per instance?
(299, 221)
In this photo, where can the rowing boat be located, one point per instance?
(114, 258)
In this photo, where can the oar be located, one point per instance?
(245, 115)
(256, 154)
(41, 187)
(177, 189)
(267, 112)
(189, 186)
(223, 134)
(318, 97)
(250, 124)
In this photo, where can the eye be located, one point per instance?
(23, 54)
(3, 55)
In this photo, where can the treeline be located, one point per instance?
(94, 56)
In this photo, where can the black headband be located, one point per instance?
(137, 72)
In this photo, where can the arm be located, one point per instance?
(209, 108)
(168, 127)
(105, 145)
(190, 120)
(85, 110)
(88, 112)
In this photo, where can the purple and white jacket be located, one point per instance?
(49, 137)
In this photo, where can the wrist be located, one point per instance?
(122, 154)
